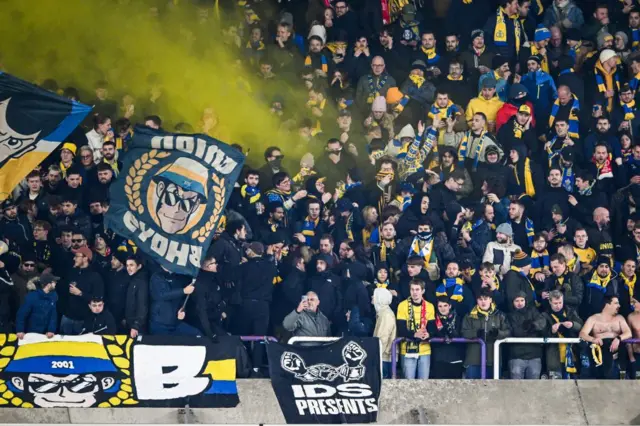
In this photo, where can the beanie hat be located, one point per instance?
(498, 61)
(477, 33)
(542, 33)
(536, 58)
(623, 36)
(606, 54)
(70, 146)
(603, 260)
(419, 65)
(394, 95)
(379, 104)
(520, 259)
(506, 229)
(489, 82)
(602, 38)
(121, 255)
(318, 31)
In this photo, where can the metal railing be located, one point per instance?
(258, 339)
(543, 340)
(310, 339)
(483, 352)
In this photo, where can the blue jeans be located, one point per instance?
(386, 370)
(420, 365)
(182, 329)
(525, 368)
(71, 327)
(475, 372)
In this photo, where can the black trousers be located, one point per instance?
(253, 320)
(445, 370)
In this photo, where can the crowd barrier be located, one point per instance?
(543, 340)
(258, 339)
(457, 340)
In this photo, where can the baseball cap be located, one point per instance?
(85, 251)
(524, 109)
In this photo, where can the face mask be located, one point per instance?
(424, 236)
(276, 162)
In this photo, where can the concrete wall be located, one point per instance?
(402, 401)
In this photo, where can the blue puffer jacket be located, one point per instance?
(167, 295)
(542, 92)
(38, 313)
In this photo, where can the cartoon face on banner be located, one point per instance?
(13, 144)
(112, 371)
(171, 195)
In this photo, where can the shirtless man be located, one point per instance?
(634, 350)
(609, 329)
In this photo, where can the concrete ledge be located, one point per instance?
(402, 401)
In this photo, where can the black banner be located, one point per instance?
(332, 383)
(117, 371)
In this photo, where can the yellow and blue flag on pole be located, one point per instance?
(33, 121)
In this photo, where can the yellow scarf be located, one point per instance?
(426, 252)
(430, 53)
(64, 169)
(500, 32)
(545, 62)
(441, 112)
(630, 283)
(529, 189)
(383, 250)
(417, 80)
(562, 347)
(476, 311)
(449, 77)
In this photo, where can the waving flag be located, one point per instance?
(33, 122)
(170, 195)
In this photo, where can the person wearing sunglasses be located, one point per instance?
(25, 273)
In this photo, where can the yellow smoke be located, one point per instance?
(79, 42)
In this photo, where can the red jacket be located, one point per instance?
(509, 110)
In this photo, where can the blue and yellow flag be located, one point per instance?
(33, 122)
(171, 194)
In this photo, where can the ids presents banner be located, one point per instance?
(335, 383)
(171, 193)
(33, 122)
(117, 371)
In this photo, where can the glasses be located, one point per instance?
(29, 265)
(77, 385)
(186, 204)
(86, 157)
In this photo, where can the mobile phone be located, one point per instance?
(304, 298)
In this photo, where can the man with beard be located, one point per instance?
(227, 251)
(309, 230)
(383, 254)
(15, 226)
(567, 109)
(602, 167)
(599, 233)
(100, 188)
(98, 207)
(327, 286)
(628, 280)
(562, 322)
(434, 250)
(335, 164)
(525, 321)
(52, 181)
(427, 53)
(456, 84)
(522, 226)
(393, 53)
(22, 277)
(606, 329)
(110, 156)
(281, 193)
(519, 130)
(477, 59)
(541, 87)
(500, 252)
(626, 115)
(274, 221)
(603, 282)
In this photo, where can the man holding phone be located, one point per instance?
(306, 319)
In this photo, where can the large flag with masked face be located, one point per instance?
(171, 193)
(33, 122)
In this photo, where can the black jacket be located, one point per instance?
(90, 283)
(116, 284)
(256, 279)
(514, 283)
(448, 327)
(228, 253)
(571, 287)
(327, 286)
(209, 305)
(526, 322)
(137, 303)
(102, 323)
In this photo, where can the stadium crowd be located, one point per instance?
(471, 176)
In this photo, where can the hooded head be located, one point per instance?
(382, 299)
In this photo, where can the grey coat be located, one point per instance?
(306, 323)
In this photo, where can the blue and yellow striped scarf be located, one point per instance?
(324, 65)
(458, 291)
(309, 228)
(500, 32)
(574, 120)
(431, 54)
(426, 252)
(539, 261)
(449, 111)
(464, 147)
(630, 285)
(635, 39)
(566, 354)
(634, 83)
(528, 227)
(470, 227)
(251, 192)
(607, 81)
(629, 109)
(599, 283)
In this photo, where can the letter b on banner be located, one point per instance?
(168, 372)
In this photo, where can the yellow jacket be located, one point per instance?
(403, 314)
(488, 107)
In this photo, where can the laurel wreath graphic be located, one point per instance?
(6, 355)
(138, 169)
(119, 350)
(218, 192)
